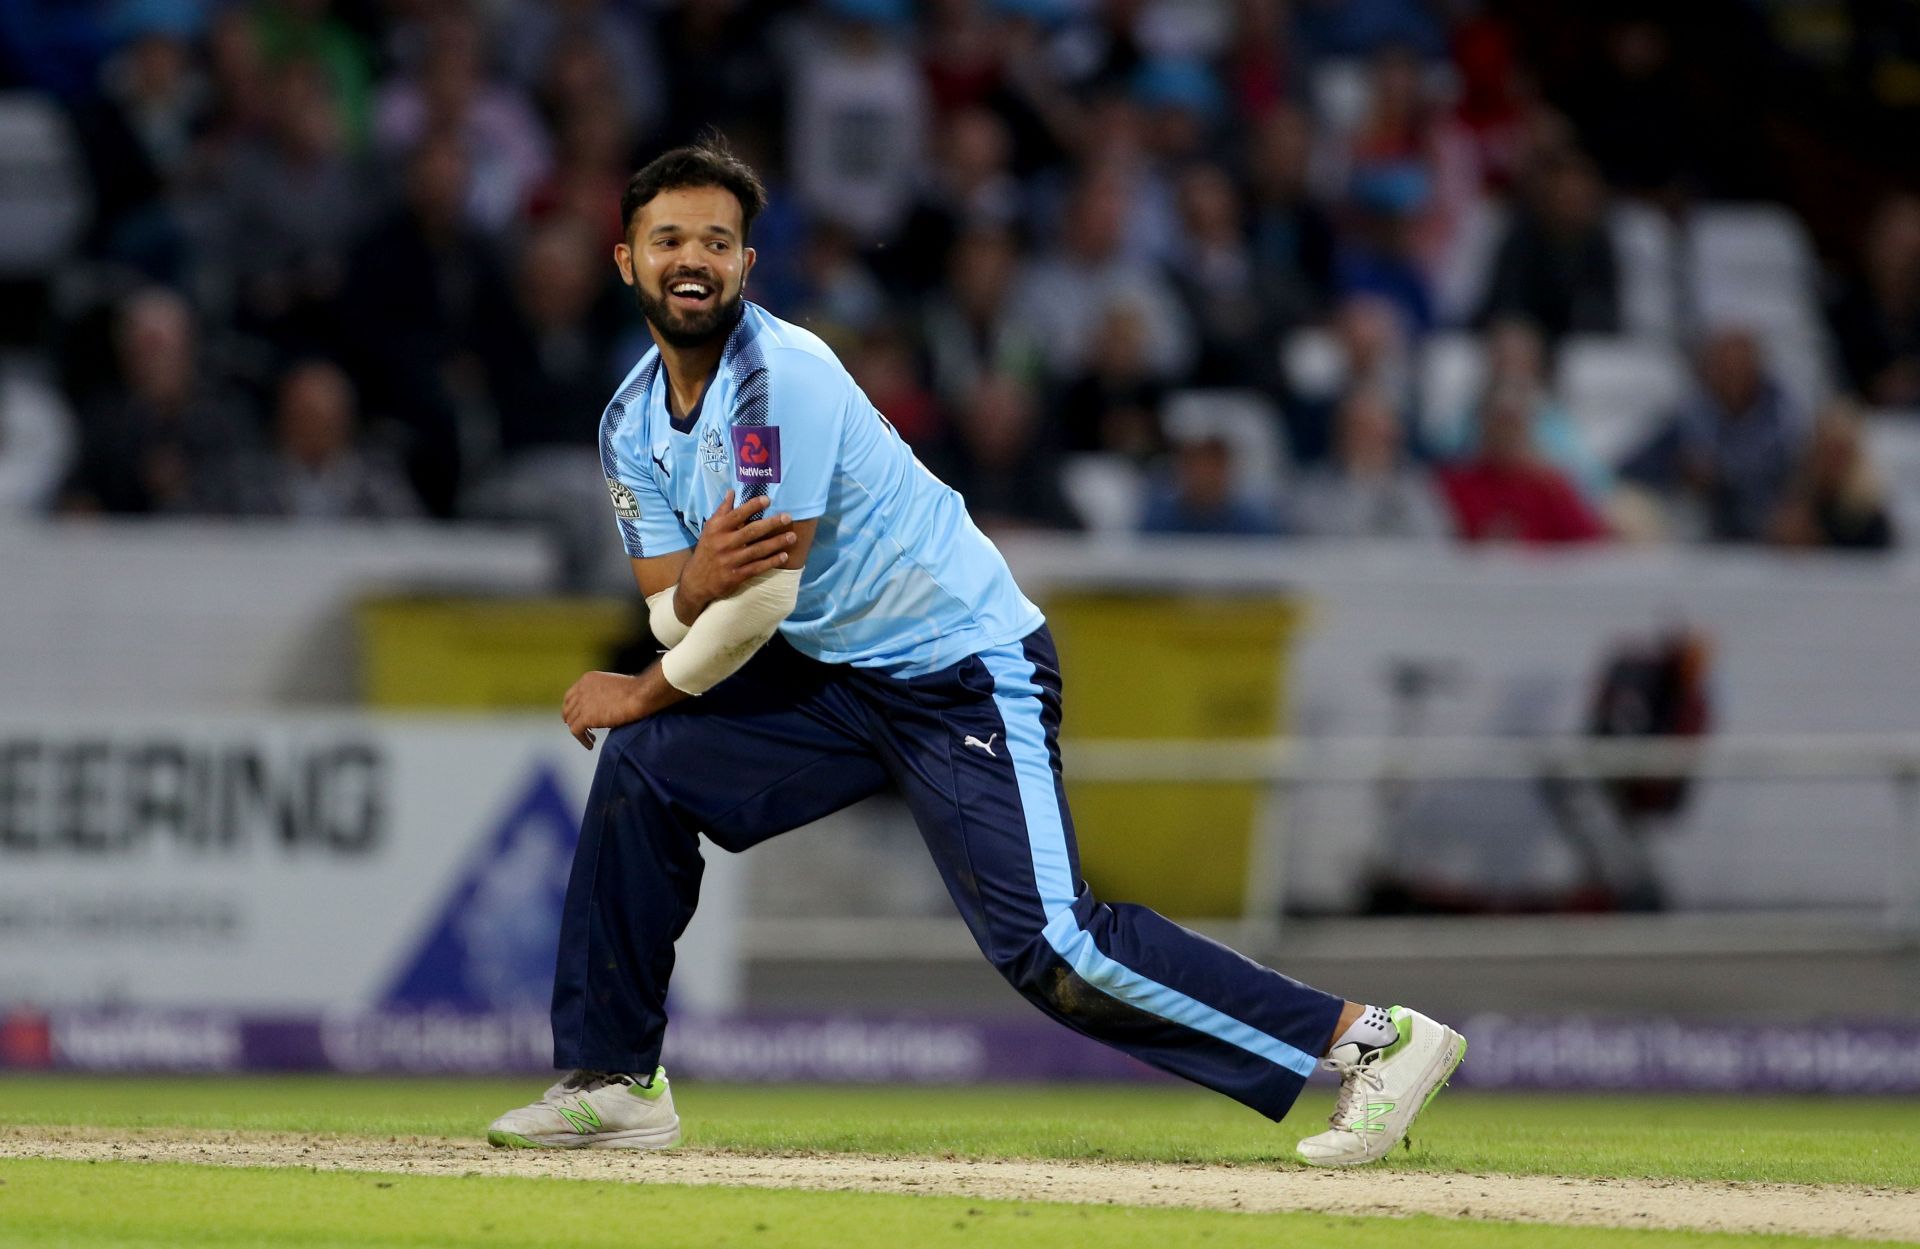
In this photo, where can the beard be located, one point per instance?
(683, 331)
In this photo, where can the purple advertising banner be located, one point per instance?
(1566, 1054)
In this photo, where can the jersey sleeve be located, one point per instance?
(786, 433)
(648, 526)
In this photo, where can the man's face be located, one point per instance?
(687, 264)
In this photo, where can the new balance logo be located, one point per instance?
(1375, 1118)
(584, 1119)
(986, 745)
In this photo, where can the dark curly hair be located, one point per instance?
(706, 163)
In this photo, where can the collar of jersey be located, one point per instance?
(693, 415)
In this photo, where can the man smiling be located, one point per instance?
(837, 626)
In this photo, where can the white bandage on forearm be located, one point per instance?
(663, 620)
(730, 630)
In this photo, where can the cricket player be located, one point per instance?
(837, 626)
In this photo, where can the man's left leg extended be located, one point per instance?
(975, 749)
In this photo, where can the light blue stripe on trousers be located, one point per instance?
(1016, 694)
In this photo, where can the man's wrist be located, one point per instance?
(686, 605)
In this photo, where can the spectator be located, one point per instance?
(1409, 175)
(307, 30)
(1181, 102)
(1200, 496)
(1114, 407)
(451, 95)
(587, 53)
(1088, 271)
(1836, 499)
(1877, 318)
(138, 138)
(1368, 490)
(164, 438)
(551, 364)
(1633, 111)
(971, 186)
(1262, 73)
(1556, 266)
(1370, 353)
(973, 324)
(997, 455)
(1292, 236)
(1360, 28)
(593, 163)
(838, 296)
(859, 119)
(315, 471)
(295, 203)
(883, 367)
(718, 69)
(1516, 358)
(1237, 320)
(1731, 447)
(1505, 492)
(420, 290)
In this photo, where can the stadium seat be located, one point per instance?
(1618, 389)
(1893, 442)
(1106, 491)
(1312, 362)
(1452, 372)
(1752, 265)
(1644, 241)
(1460, 285)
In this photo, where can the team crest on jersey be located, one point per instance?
(625, 506)
(713, 452)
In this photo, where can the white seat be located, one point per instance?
(1461, 283)
(1619, 389)
(1107, 491)
(1645, 242)
(1893, 444)
(1312, 362)
(1453, 370)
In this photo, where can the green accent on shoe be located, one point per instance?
(1374, 1119)
(511, 1140)
(583, 1119)
(653, 1090)
(1402, 1025)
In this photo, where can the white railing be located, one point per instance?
(1281, 763)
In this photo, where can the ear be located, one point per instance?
(623, 261)
(747, 257)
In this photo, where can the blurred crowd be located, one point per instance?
(1343, 268)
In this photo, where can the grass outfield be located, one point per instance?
(119, 1204)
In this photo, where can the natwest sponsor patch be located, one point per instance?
(756, 453)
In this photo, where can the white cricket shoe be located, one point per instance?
(1382, 1090)
(600, 1109)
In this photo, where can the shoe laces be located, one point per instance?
(583, 1081)
(1355, 1078)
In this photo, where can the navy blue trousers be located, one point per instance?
(974, 750)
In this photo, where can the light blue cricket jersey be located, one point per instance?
(898, 578)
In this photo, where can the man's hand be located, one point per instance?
(602, 700)
(734, 548)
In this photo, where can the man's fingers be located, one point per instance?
(771, 546)
(766, 525)
(722, 508)
(745, 511)
(755, 569)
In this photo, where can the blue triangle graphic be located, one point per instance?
(493, 946)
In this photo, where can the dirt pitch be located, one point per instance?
(1884, 1213)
